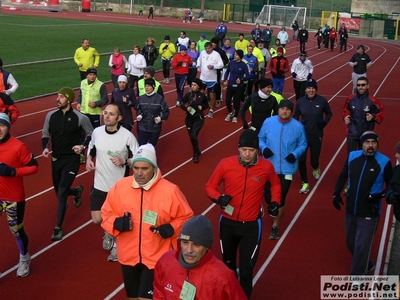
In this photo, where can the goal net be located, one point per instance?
(281, 15)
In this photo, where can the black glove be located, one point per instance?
(165, 47)
(309, 76)
(6, 170)
(321, 125)
(294, 75)
(224, 200)
(165, 230)
(126, 70)
(267, 153)
(123, 223)
(291, 158)
(245, 126)
(337, 201)
(281, 72)
(393, 198)
(273, 209)
(273, 74)
(179, 63)
(114, 66)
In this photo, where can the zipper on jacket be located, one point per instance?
(244, 192)
(358, 186)
(140, 227)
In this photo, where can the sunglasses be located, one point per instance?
(361, 84)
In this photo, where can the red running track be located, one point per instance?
(312, 242)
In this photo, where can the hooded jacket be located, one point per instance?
(141, 245)
(211, 277)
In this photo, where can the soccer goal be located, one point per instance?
(278, 15)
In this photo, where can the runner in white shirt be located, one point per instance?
(207, 64)
(108, 156)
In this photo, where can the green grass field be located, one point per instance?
(39, 51)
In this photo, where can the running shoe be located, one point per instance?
(316, 173)
(274, 234)
(108, 241)
(78, 198)
(305, 188)
(57, 234)
(113, 255)
(23, 266)
(228, 118)
(211, 114)
(234, 120)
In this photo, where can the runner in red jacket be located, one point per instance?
(244, 178)
(194, 269)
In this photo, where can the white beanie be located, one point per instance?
(4, 119)
(145, 153)
(122, 78)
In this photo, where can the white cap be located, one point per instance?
(122, 78)
(145, 153)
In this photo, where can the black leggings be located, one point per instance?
(247, 238)
(193, 127)
(64, 172)
(315, 145)
(237, 94)
(166, 66)
(299, 88)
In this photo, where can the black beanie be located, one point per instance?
(369, 135)
(198, 82)
(150, 82)
(215, 40)
(286, 103)
(264, 82)
(312, 83)
(240, 53)
(248, 138)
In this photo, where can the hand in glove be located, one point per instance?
(273, 209)
(337, 201)
(291, 158)
(114, 66)
(267, 153)
(179, 63)
(164, 230)
(309, 76)
(393, 198)
(294, 75)
(165, 47)
(224, 200)
(123, 223)
(6, 170)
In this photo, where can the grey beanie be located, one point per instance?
(198, 230)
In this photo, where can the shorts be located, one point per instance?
(97, 199)
(138, 281)
(211, 85)
(285, 185)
